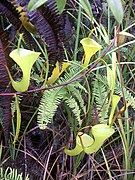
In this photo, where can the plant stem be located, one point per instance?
(77, 33)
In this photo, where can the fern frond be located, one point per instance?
(100, 95)
(129, 98)
(48, 106)
(73, 105)
(11, 174)
(76, 93)
(71, 73)
(80, 86)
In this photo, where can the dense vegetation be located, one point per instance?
(67, 89)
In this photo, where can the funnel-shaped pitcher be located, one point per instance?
(82, 141)
(101, 132)
(25, 59)
(90, 48)
(85, 143)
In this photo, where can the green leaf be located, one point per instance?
(115, 101)
(123, 33)
(18, 125)
(87, 8)
(114, 61)
(110, 79)
(34, 4)
(117, 9)
(61, 5)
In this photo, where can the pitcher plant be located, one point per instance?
(25, 60)
(90, 47)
